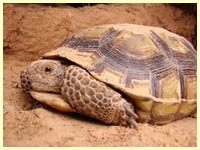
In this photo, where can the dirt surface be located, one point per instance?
(31, 30)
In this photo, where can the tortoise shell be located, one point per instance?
(155, 68)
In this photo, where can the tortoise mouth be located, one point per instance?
(25, 81)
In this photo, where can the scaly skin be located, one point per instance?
(94, 99)
(84, 93)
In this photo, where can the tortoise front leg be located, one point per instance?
(95, 99)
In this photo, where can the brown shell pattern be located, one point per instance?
(146, 63)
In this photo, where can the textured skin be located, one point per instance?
(94, 99)
(25, 83)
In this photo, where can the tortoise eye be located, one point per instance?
(48, 69)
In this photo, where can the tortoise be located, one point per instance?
(119, 74)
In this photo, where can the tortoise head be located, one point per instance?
(43, 76)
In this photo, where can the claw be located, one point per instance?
(131, 113)
(132, 122)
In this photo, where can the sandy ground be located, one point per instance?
(31, 30)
